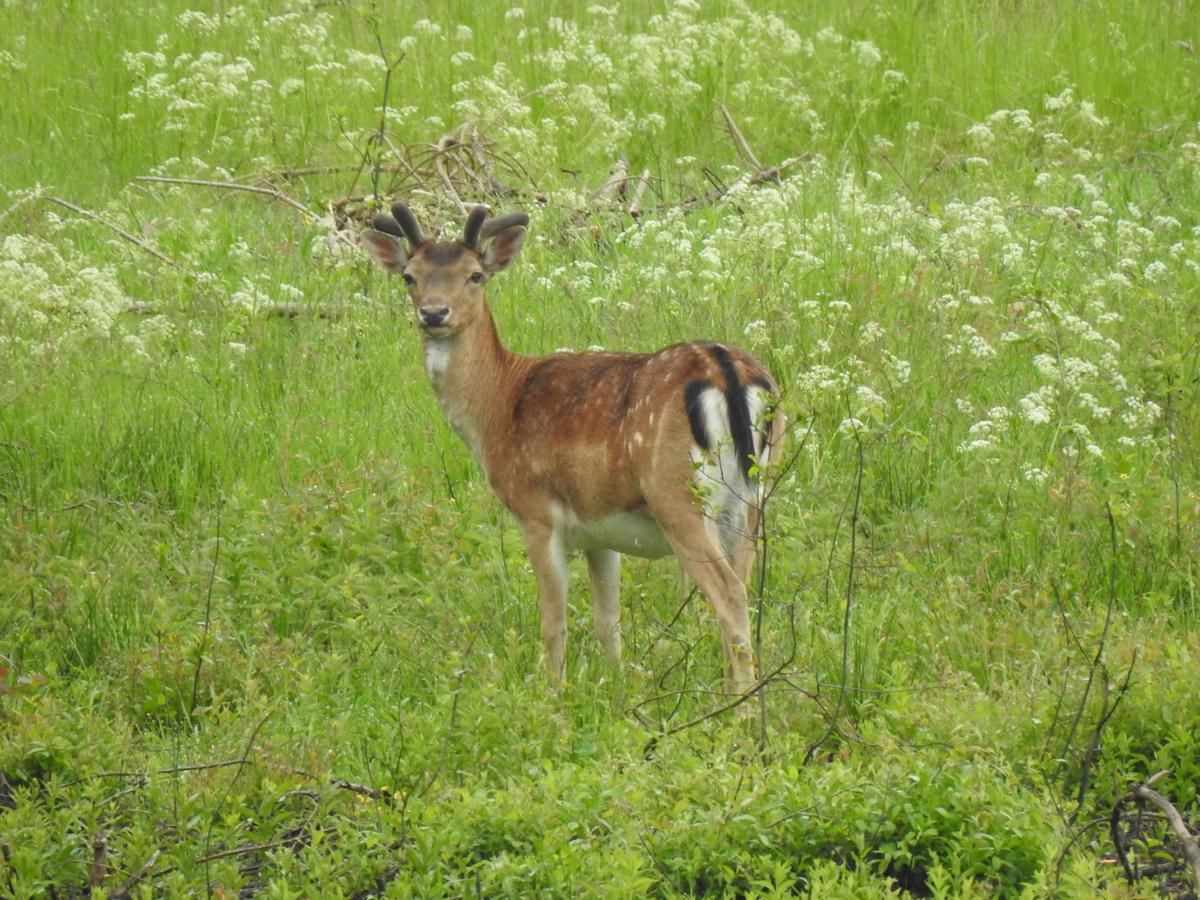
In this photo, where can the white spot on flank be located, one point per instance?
(637, 438)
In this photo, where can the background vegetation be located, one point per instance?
(263, 629)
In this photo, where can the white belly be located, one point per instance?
(634, 533)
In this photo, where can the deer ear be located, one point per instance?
(503, 249)
(386, 250)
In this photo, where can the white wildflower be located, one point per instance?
(980, 135)
(1034, 475)
(866, 53)
(1155, 271)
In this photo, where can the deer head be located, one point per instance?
(445, 278)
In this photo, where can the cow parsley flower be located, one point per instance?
(980, 135)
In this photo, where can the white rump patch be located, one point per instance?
(724, 491)
(714, 414)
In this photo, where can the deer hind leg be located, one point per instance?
(697, 546)
(548, 557)
(737, 530)
(604, 574)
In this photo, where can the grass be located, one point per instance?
(265, 630)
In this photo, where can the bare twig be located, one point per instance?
(208, 604)
(361, 789)
(635, 208)
(170, 770)
(29, 197)
(1099, 666)
(121, 232)
(841, 697)
(439, 162)
(271, 192)
(390, 67)
(139, 875)
(739, 141)
(242, 851)
(1191, 849)
(614, 185)
(245, 760)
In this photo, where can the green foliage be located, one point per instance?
(264, 629)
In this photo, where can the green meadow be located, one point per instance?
(265, 631)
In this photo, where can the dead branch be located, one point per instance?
(139, 875)
(635, 208)
(121, 232)
(271, 192)
(739, 141)
(390, 67)
(360, 789)
(98, 869)
(1144, 793)
(439, 161)
(614, 185)
(242, 851)
(1191, 849)
(29, 197)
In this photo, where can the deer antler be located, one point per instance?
(494, 226)
(472, 228)
(407, 223)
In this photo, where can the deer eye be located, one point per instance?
(409, 280)
(476, 278)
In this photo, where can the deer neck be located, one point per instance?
(472, 375)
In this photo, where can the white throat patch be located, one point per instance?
(437, 358)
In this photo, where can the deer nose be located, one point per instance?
(434, 316)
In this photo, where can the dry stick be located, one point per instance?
(635, 208)
(28, 198)
(360, 789)
(739, 141)
(273, 193)
(439, 162)
(614, 185)
(381, 134)
(121, 232)
(841, 699)
(484, 165)
(208, 605)
(1114, 831)
(1098, 665)
(749, 694)
(171, 770)
(98, 868)
(241, 851)
(228, 790)
(770, 483)
(139, 875)
(1191, 847)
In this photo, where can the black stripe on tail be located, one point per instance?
(738, 404)
(695, 412)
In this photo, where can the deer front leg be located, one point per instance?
(604, 573)
(547, 555)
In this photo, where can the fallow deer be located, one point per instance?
(609, 453)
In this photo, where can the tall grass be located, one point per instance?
(265, 628)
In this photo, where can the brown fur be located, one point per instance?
(588, 450)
